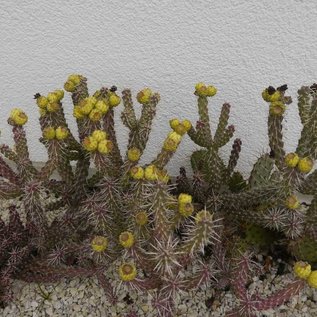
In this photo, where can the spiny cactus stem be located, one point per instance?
(276, 138)
(108, 126)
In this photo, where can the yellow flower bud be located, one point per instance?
(302, 269)
(175, 137)
(59, 93)
(126, 239)
(77, 112)
(69, 86)
(52, 107)
(150, 172)
(203, 216)
(185, 199)
(312, 279)
(141, 218)
(265, 95)
(102, 106)
(90, 144)
(114, 100)
(42, 102)
(134, 154)
(211, 91)
(275, 97)
(87, 105)
(292, 202)
(144, 95)
(74, 78)
(305, 165)
(137, 172)
(52, 97)
(127, 272)
(99, 135)
(174, 123)
(61, 133)
(18, 117)
(201, 89)
(99, 243)
(105, 146)
(95, 115)
(170, 145)
(49, 133)
(186, 209)
(291, 159)
(277, 108)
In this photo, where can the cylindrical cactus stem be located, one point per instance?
(304, 103)
(8, 190)
(204, 115)
(128, 114)
(162, 158)
(200, 234)
(7, 173)
(222, 124)
(276, 138)
(25, 166)
(145, 123)
(234, 155)
(8, 153)
(80, 92)
(47, 170)
(108, 126)
(182, 182)
(225, 137)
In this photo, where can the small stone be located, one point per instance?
(145, 308)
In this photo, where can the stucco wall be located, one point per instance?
(239, 46)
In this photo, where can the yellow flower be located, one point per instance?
(170, 145)
(99, 243)
(134, 154)
(49, 133)
(127, 272)
(312, 279)
(201, 89)
(42, 102)
(305, 165)
(186, 209)
(105, 146)
(99, 135)
(18, 117)
(74, 78)
(69, 86)
(141, 218)
(292, 202)
(150, 173)
(52, 107)
(126, 239)
(87, 105)
(137, 172)
(211, 91)
(302, 269)
(90, 144)
(180, 127)
(61, 133)
(52, 97)
(59, 93)
(102, 106)
(291, 159)
(114, 100)
(185, 199)
(95, 115)
(42, 112)
(175, 137)
(144, 95)
(77, 112)
(203, 216)
(276, 96)
(277, 108)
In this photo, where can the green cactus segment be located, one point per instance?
(307, 144)
(304, 249)
(276, 137)
(311, 213)
(128, 116)
(308, 185)
(234, 155)
(236, 182)
(259, 236)
(304, 104)
(223, 134)
(261, 172)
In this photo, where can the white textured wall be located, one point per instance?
(239, 46)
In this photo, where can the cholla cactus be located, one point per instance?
(124, 212)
